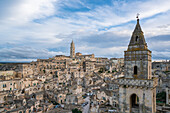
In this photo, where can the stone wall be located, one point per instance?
(141, 59)
(138, 82)
(145, 91)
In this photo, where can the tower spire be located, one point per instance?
(137, 40)
(138, 28)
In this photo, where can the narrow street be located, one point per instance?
(87, 107)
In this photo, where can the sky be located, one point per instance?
(38, 29)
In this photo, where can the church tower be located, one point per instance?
(138, 56)
(72, 50)
(137, 90)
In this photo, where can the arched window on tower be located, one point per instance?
(137, 38)
(135, 70)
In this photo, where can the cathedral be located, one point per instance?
(137, 90)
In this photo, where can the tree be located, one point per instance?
(161, 97)
(76, 111)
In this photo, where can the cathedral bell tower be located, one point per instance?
(72, 50)
(138, 56)
(137, 89)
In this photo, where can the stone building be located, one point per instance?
(161, 65)
(115, 64)
(9, 85)
(167, 95)
(137, 90)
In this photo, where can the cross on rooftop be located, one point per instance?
(137, 16)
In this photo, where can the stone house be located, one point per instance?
(71, 99)
(11, 85)
(39, 95)
(61, 98)
(101, 95)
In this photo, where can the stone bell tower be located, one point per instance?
(72, 50)
(138, 56)
(137, 90)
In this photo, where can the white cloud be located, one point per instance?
(52, 31)
(28, 10)
(104, 52)
(161, 55)
(25, 54)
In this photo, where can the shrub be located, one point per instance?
(76, 111)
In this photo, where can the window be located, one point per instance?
(135, 70)
(4, 85)
(136, 39)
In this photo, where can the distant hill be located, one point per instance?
(1, 63)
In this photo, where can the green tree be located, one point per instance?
(76, 111)
(161, 97)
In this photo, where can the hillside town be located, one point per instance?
(88, 84)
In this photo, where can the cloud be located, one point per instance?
(25, 54)
(157, 55)
(26, 10)
(100, 27)
(160, 43)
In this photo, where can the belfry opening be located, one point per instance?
(135, 70)
(137, 38)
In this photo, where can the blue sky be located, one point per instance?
(32, 29)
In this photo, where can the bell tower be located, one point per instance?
(72, 50)
(138, 56)
(137, 89)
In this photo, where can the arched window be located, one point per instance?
(136, 39)
(135, 70)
